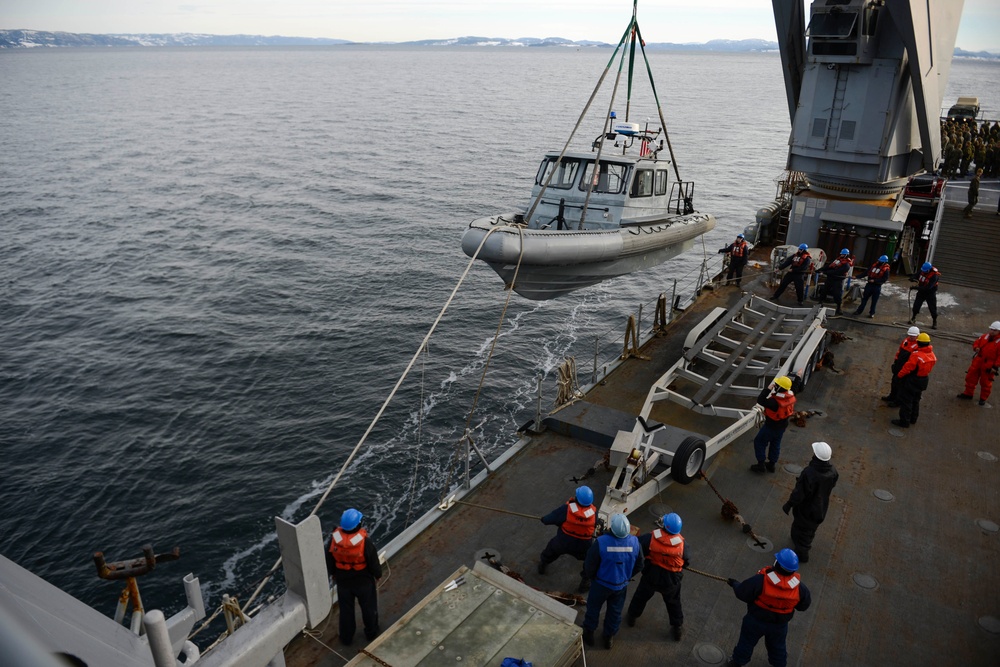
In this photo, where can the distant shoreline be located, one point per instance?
(33, 39)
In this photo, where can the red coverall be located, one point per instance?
(984, 361)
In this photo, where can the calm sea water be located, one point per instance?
(217, 262)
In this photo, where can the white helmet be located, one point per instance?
(995, 326)
(913, 331)
(822, 451)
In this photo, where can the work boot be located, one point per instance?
(887, 398)
(630, 620)
(982, 401)
(588, 637)
(771, 467)
(913, 320)
(677, 631)
(857, 312)
(934, 323)
(609, 641)
(892, 404)
(758, 467)
(965, 396)
(541, 566)
(901, 423)
(871, 316)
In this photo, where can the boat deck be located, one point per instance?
(903, 571)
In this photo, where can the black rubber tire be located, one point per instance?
(688, 460)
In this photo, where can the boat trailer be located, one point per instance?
(728, 358)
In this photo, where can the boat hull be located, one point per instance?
(556, 262)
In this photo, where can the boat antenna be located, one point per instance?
(579, 121)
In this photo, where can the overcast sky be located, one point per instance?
(406, 20)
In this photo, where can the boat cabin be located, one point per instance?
(623, 191)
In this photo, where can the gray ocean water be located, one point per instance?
(217, 262)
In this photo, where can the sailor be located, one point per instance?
(666, 556)
(927, 284)
(613, 559)
(836, 272)
(779, 404)
(973, 193)
(773, 595)
(913, 381)
(906, 347)
(353, 561)
(576, 520)
(738, 252)
(878, 274)
(799, 264)
(810, 499)
(984, 366)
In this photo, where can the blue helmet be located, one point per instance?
(803, 247)
(350, 519)
(584, 496)
(740, 236)
(845, 251)
(927, 266)
(672, 523)
(884, 258)
(787, 559)
(620, 527)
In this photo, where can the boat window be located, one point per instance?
(642, 184)
(660, 187)
(565, 174)
(609, 179)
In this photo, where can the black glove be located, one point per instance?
(733, 583)
(913, 287)
(786, 508)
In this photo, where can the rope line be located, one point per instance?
(497, 509)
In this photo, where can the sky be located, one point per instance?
(680, 21)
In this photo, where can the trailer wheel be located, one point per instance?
(688, 459)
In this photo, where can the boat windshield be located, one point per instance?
(565, 172)
(609, 179)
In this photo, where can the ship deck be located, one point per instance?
(902, 572)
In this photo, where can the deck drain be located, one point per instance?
(660, 509)
(792, 468)
(990, 623)
(709, 654)
(896, 432)
(882, 494)
(764, 546)
(987, 525)
(866, 581)
(487, 554)
(986, 456)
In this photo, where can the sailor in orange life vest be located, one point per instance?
(352, 560)
(984, 366)
(666, 555)
(612, 560)
(576, 520)
(878, 274)
(810, 498)
(773, 595)
(738, 252)
(906, 348)
(913, 381)
(927, 284)
(800, 263)
(836, 272)
(779, 404)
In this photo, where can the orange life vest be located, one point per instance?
(876, 271)
(908, 345)
(786, 406)
(666, 550)
(739, 249)
(348, 549)
(798, 259)
(780, 594)
(580, 521)
(929, 279)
